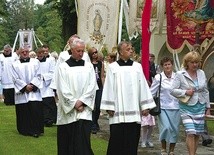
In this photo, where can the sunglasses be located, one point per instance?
(94, 52)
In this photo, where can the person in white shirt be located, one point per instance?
(6, 60)
(26, 75)
(169, 118)
(126, 96)
(76, 89)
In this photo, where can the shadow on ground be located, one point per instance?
(180, 149)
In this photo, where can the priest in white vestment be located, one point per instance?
(27, 80)
(126, 96)
(76, 89)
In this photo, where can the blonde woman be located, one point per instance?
(99, 71)
(192, 82)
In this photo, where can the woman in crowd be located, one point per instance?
(169, 119)
(99, 71)
(192, 82)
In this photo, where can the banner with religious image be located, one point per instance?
(26, 38)
(98, 22)
(189, 22)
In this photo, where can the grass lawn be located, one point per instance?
(12, 143)
(210, 125)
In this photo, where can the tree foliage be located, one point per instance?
(48, 27)
(53, 22)
(67, 11)
(24, 14)
(3, 30)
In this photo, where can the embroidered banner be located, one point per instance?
(189, 22)
(98, 22)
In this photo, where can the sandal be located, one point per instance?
(163, 152)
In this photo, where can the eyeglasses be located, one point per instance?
(94, 53)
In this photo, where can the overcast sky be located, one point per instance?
(39, 1)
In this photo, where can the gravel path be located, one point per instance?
(180, 149)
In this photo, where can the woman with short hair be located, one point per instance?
(191, 82)
(169, 118)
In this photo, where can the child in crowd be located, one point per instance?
(147, 125)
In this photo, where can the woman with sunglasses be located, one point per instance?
(99, 71)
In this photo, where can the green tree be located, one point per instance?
(3, 29)
(67, 11)
(48, 27)
(24, 14)
(20, 15)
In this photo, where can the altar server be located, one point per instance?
(27, 79)
(76, 89)
(48, 96)
(126, 96)
(6, 60)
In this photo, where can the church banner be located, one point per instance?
(26, 39)
(189, 22)
(98, 22)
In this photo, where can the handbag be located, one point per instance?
(185, 98)
(157, 110)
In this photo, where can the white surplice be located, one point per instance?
(23, 74)
(63, 56)
(75, 83)
(126, 92)
(47, 71)
(5, 70)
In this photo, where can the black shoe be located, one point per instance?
(49, 124)
(209, 141)
(206, 142)
(94, 131)
(98, 127)
(35, 135)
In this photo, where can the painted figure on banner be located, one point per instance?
(202, 11)
(97, 23)
(186, 17)
(25, 38)
(97, 37)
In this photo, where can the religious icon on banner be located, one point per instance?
(186, 18)
(97, 21)
(25, 38)
(202, 11)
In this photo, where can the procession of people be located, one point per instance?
(70, 92)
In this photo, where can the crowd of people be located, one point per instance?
(70, 90)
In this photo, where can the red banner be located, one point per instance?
(146, 37)
(190, 20)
